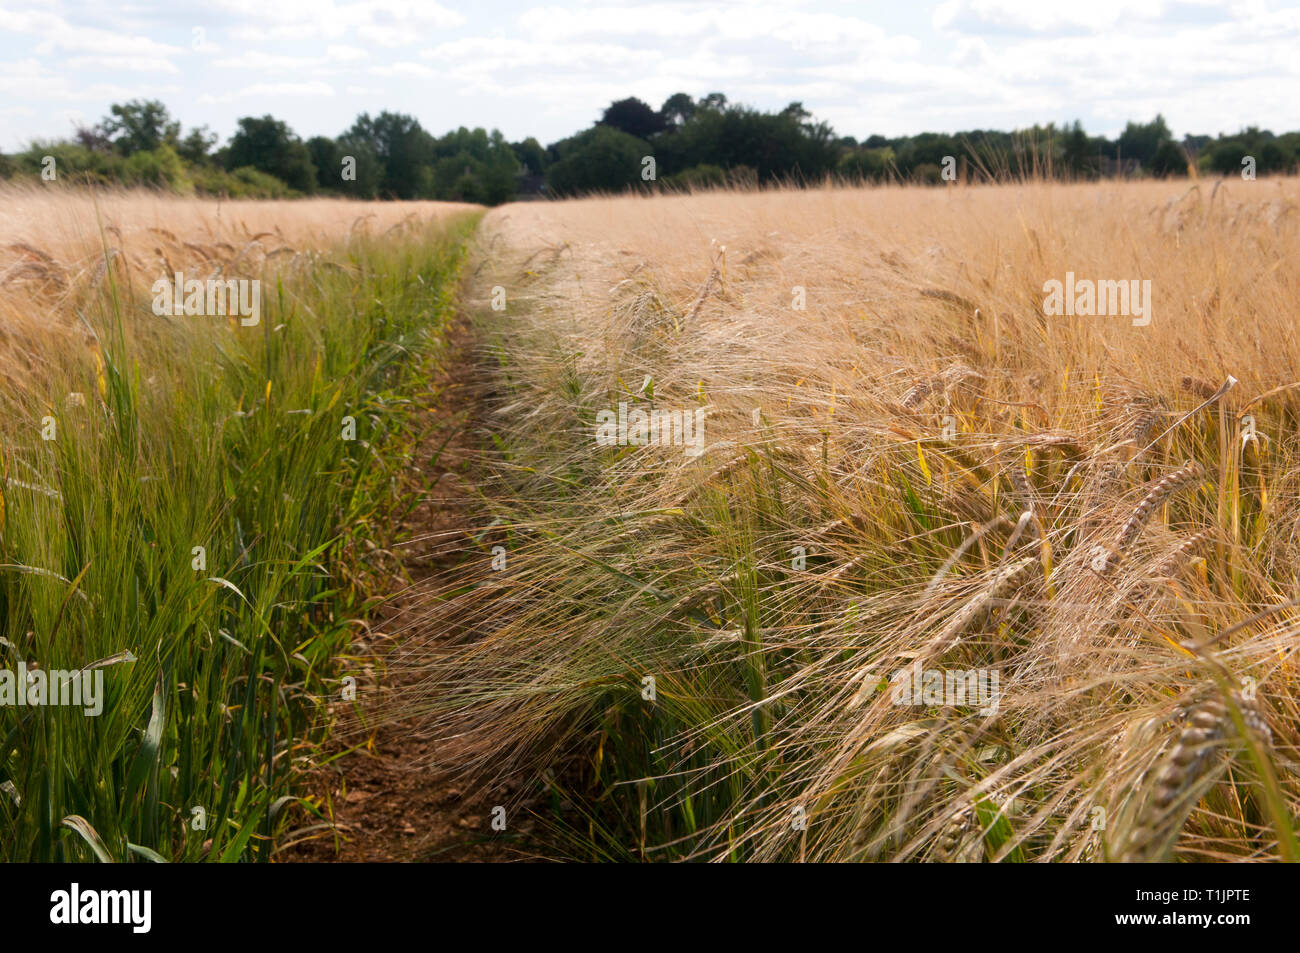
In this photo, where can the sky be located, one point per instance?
(549, 69)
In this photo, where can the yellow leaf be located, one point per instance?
(921, 459)
(100, 380)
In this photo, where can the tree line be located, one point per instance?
(686, 142)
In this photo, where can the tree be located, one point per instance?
(1142, 141)
(139, 126)
(93, 138)
(195, 146)
(926, 149)
(634, 117)
(1077, 154)
(866, 164)
(403, 149)
(776, 146)
(270, 145)
(160, 167)
(602, 158)
(796, 112)
(362, 163)
(476, 166)
(531, 155)
(677, 110)
(1169, 159)
(1275, 156)
(1271, 153)
(327, 161)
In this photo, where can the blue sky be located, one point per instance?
(547, 69)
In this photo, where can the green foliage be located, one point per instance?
(1169, 159)
(327, 160)
(600, 159)
(403, 149)
(365, 167)
(475, 166)
(779, 146)
(196, 146)
(269, 145)
(1078, 155)
(1272, 154)
(677, 109)
(159, 168)
(928, 148)
(392, 156)
(140, 126)
(242, 183)
(634, 117)
(866, 164)
(72, 162)
(531, 155)
(1142, 141)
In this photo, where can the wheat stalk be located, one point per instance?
(1189, 767)
(1160, 491)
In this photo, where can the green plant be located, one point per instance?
(196, 526)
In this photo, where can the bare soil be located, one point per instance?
(398, 794)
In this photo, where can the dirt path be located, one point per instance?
(396, 798)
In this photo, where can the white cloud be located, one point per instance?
(797, 27)
(547, 67)
(1034, 16)
(401, 69)
(491, 54)
(267, 90)
(259, 61)
(129, 64)
(387, 23)
(346, 54)
(57, 35)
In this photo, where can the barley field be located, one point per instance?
(765, 643)
(786, 525)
